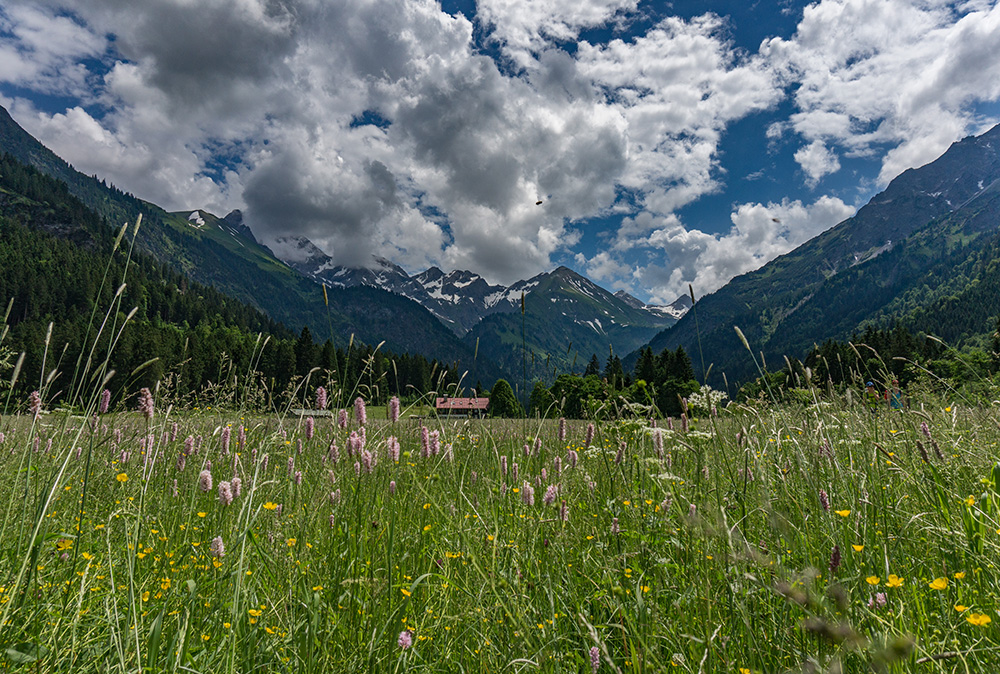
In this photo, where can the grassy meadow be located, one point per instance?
(812, 538)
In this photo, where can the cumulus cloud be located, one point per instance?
(381, 127)
(759, 234)
(894, 74)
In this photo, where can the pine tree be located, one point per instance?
(503, 403)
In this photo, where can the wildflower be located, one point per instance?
(880, 599)
(146, 403)
(310, 428)
(666, 503)
(368, 460)
(270, 505)
(692, 510)
(873, 580)
(333, 454)
(392, 449)
(225, 493)
(557, 465)
(121, 477)
(394, 409)
(205, 480)
(342, 419)
(824, 500)
(658, 443)
(938, 584)
(360, 413)
(615, 529)
(528, 494)
(620, 455)
(923, 452)
(843, 513)
(835, 559)
(435, 443)
(550, 495)
(564, 512)
(392, 486)
(102, 407)
(298, 478)
(35, 404)
(538, 445)
(291, 465)
(175, 488)
(335, 497)
(960, 575)
(894, 581)
(405, 639)
(425, 442)
(188, 445)
(978, 619)
(357, 469)
(589, 438)
(684, 422)
(960, 608)
(226, 432)
(217, 548)
(514, 472)
(562, 430)
(595, 659)
(503, 466)
(321, 398)
(573, 458)
(858, 548)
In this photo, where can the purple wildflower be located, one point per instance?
(217, 548)
(394, 409)
(102, 407)
(589, 438)
(146, 403)
(824, 500)
(35, 404)
(564, 512)
(425, 442)
(310, 428)
(514, 471)
(435, 442)
(226, 433)
(291, 465)
(392, 449)
(557, 465)
(357, 469)
(181, 462)
(188, 445)
(834, 559)
(550, 495)
(392, 486)
(360, 413)
(237, 486)
(658, 443)
(573, 458)
(298, 478)
(342, 419)
(562, 430)
(620, 456)
(225, 493)
(205, 480)
(335, 497)
(503, 465)
(538, 446)
(321, 398)
(684, 423)
(368, 460)
(405, 639)
(595, 659)
(528, 494)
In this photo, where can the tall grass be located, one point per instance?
(721, 560)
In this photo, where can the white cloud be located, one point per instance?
(894, 73)
(759, 234)
(817, 161)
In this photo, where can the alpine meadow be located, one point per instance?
(500, 336)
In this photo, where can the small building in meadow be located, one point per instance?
(461, 407)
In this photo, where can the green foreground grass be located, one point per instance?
(816, 538)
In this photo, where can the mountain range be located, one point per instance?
(431, 313)
(922, 254)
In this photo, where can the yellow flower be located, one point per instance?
(960, 608)
(960, 575)
(427, 528)
(979, 619)
(202, 514)
(64, 544)
(873, 580)
(938, 584)
(270, 506)
(858, 548)
(970, 501)
(406, 593)
(894, 581)
(291, 542)
(843, 513)
(121, 477)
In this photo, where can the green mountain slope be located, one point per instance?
(926, 242)
(567, 319)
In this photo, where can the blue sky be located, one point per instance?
(669, 143)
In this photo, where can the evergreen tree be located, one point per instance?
(503, 403)
(593, 367)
